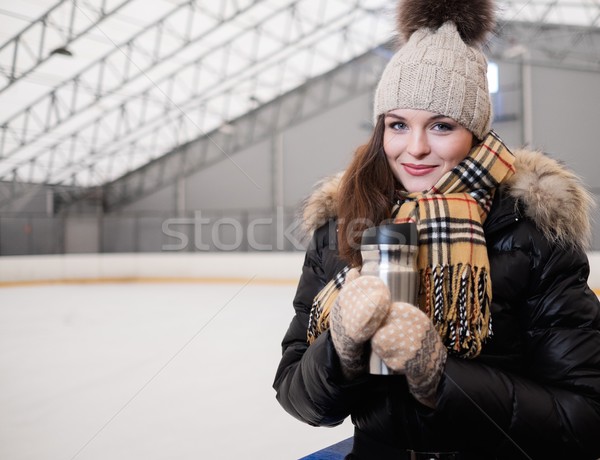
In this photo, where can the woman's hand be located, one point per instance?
(409, 344)
(361, 306)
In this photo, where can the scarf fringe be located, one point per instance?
(458, 304)
(318, 320)
(457, 300)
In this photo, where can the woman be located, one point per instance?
(500, 358)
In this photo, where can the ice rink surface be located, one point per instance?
(147, 371)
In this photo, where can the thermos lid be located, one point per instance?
(405, 234)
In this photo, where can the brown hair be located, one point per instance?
(366, 194)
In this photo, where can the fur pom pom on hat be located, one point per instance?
(441, 67)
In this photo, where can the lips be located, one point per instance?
(418, 170)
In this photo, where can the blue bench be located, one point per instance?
(334, 452)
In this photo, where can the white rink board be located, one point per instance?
(260, 266)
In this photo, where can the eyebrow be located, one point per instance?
(399, 117)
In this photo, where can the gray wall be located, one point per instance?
(323, 146)
(567, 119)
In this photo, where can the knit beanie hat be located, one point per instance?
(441, 67)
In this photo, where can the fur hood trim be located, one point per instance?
(552, 197)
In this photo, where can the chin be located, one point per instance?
(416, 186)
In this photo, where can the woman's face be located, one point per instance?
(422, 146)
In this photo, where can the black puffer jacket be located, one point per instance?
(534, 392)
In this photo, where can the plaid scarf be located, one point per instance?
(455, 287)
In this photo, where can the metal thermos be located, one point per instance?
(390, 252)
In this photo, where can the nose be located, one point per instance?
(418, 144)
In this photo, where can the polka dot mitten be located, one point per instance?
(408, 343)
(358, 311)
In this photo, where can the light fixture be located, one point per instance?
(61, 50)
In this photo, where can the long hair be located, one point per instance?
(366, 194)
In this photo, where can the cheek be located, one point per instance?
(457, 152)
(456, 157)
(391, 146)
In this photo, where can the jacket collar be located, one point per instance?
(541, 190)
(505, 211)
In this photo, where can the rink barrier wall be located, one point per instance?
(267, 267)
(263, 267)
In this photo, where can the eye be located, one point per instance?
(443, 127)
(397, 125)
